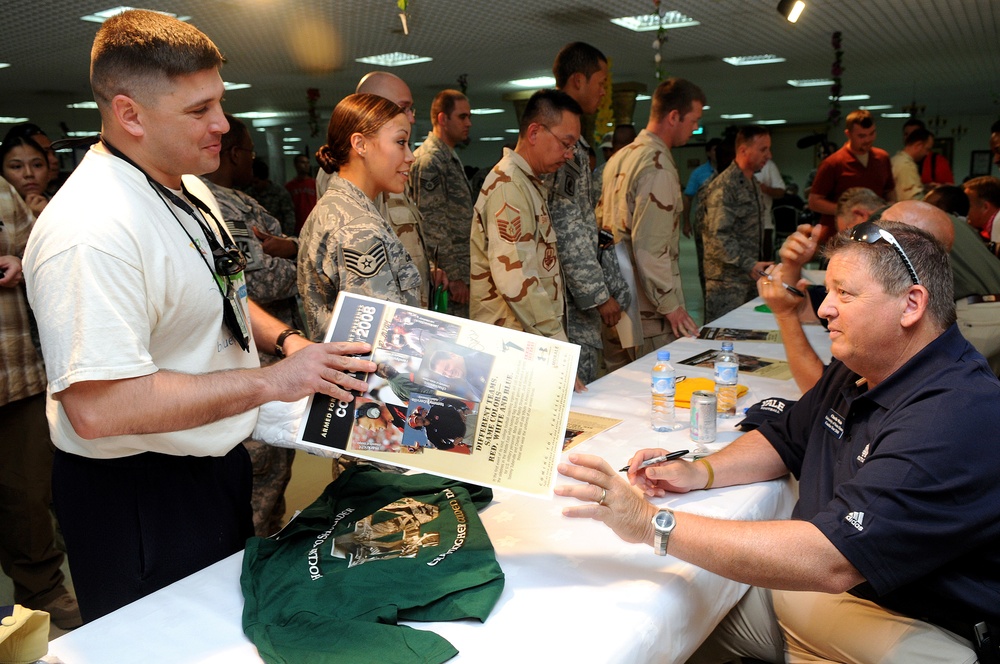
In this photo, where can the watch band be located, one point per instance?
(661, 534)
(279, 343)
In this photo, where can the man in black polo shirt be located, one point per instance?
(893, 548)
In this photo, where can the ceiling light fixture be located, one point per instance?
(4, 64)
(486, 111)
(235, 86)
(265, 115)
(771, 122)
(853, 97)
(745, 60)
(736, 116)
(649, 22)
(492, 138)
(876, 107)
(104, 15)
(9, 120)
(394, 59)
(534, 83)
(642, 97)
(809, 82)
(895, 115)
(83, 104)
(791, 9)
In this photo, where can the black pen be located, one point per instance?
(660, 459)
(790, 289)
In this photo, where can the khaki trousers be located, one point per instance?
(798, 627)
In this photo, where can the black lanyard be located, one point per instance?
(232, 316)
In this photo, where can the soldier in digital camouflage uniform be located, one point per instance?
(641, 205)
(441, 191)
(275, 198)
(515, 273)
(595, 289)
(271, 282)
(733, 226)
(348, 245)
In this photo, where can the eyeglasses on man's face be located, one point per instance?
(567, 147)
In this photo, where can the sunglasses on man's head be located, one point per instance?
(870, 233)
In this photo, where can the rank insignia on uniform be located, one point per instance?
(366, 263)
(509, 223)
(549, 258)
(430, 184)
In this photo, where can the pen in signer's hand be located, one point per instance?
(790, 289)
(659, 459)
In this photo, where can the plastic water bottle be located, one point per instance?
(727, 373)
(663, 384)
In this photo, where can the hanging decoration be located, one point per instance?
(403, 14)
(463, 83)
(312, 96)
(604, 121)
(661, 39)
(836, 71)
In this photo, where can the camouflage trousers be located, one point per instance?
(272, 470)
(722, 296)
(591, 361)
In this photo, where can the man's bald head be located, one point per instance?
(926, 217)
(390, 86)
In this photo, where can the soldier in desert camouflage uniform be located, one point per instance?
(733, 226)
(442, 193)
(594, 283)
(347, 244)
(271, 283)
(641, 205)
(515, 274)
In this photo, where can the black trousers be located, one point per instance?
(137, 524)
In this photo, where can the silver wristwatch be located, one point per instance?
(663, 524)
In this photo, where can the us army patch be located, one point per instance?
(567, 177)
(509, 223)
(366, 263)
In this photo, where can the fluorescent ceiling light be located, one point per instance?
(394, 59)
(486, 111)
(286, 129)
(536, 82)
(82, 134)
(809, 82)
(744, 60)
(83, 104)
(895, 115)
(265, 115)
(4, 64)
(642, 97)
(512, 131)
(698, 132)
(235, 86)
(705, 107)
(771, 122)
(876, 107)
(492, 138)
(9, 120)
(853, 97)
(736, 116)
(648, 22)
(291, 139)
(104, 15)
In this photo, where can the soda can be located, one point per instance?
(703, 416)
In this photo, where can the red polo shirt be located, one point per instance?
(842, 171)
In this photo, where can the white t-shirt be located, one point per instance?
(119, 291)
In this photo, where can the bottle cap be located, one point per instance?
(663, 355)
(727, 345)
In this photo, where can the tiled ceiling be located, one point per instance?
(945, 54)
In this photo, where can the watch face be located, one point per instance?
(663, 520)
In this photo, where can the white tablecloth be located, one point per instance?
(574, 592)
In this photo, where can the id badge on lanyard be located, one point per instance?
(234, 317)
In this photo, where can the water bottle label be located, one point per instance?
(663, 385)
(726, 373)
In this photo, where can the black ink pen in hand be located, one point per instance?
(790, 289)
(659, 459)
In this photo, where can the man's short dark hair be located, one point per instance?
(137, 48)
(985, 187)
(675, 94)
(860, 117)
(576, 58)
(918, 135)
(747, 133)
(950, 198)
(914, 122)
(444, 102)
(622, 136)
(712, 144)
(929, 259)
(261, 170)
(546, 107)
(237, 132)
